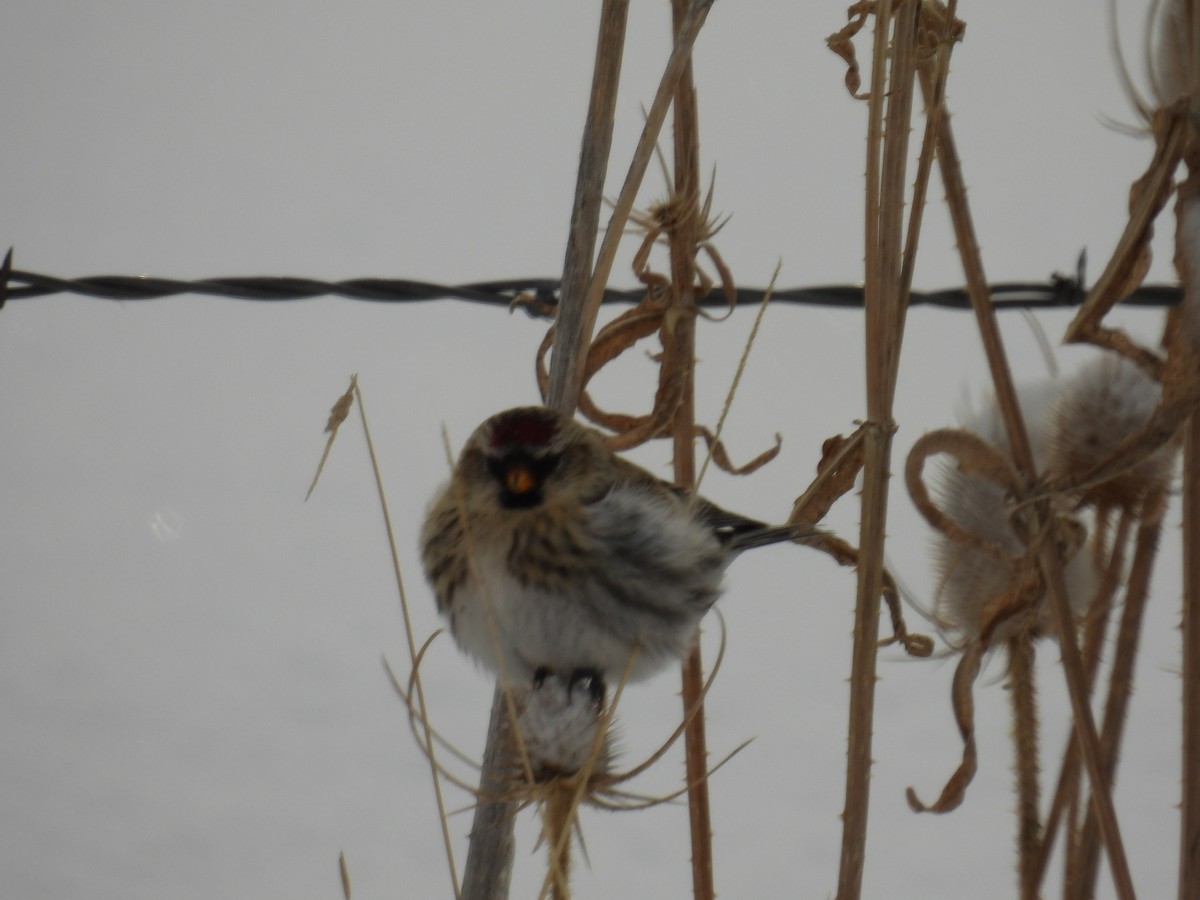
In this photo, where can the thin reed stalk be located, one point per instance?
(1018, 440)
(570, 337)
(412, 647)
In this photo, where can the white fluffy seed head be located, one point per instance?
(1107, 401)
(971, 581)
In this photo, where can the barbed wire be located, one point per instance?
(536, 296)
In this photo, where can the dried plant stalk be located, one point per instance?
(1189, 853)
(589, 195)
(1183, 363)
(1120, 687)
(891, 99)
(488, 870)
(1025, 742)
(1067, 787)
(683, 237)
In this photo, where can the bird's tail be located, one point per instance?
(771, 534)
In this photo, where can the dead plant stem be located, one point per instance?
(934, 111)
(1067, 787)
(1189, 851)
(1023, 688)
(884, 212)
(1120, 682)
(490, 856)
(570, 337)
(682, 244)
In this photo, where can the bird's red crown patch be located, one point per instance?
(523, 427)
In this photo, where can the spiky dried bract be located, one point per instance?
(1109, 400)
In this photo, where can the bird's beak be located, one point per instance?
(519, 479)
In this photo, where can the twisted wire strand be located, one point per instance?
(537, 296)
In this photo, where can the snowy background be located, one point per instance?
(191, 693)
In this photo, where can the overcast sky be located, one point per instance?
(190, 679)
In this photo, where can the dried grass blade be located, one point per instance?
(408, 632)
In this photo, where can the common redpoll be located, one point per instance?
(550, 554)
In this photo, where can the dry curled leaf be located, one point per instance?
(720, 455)
(1131, 258)
(955, 789)
(974, 456)
(659, 312)
(841, 461)
(842, 43)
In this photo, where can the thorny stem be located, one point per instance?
(1025, 740)
(934, 110)
(1018, 441)
(884, 305)
(682, 320)
(1189, 851)
(1066, 791)
(1120, 682)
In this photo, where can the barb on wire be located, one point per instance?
(537, 296)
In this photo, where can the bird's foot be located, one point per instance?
(590, 680)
